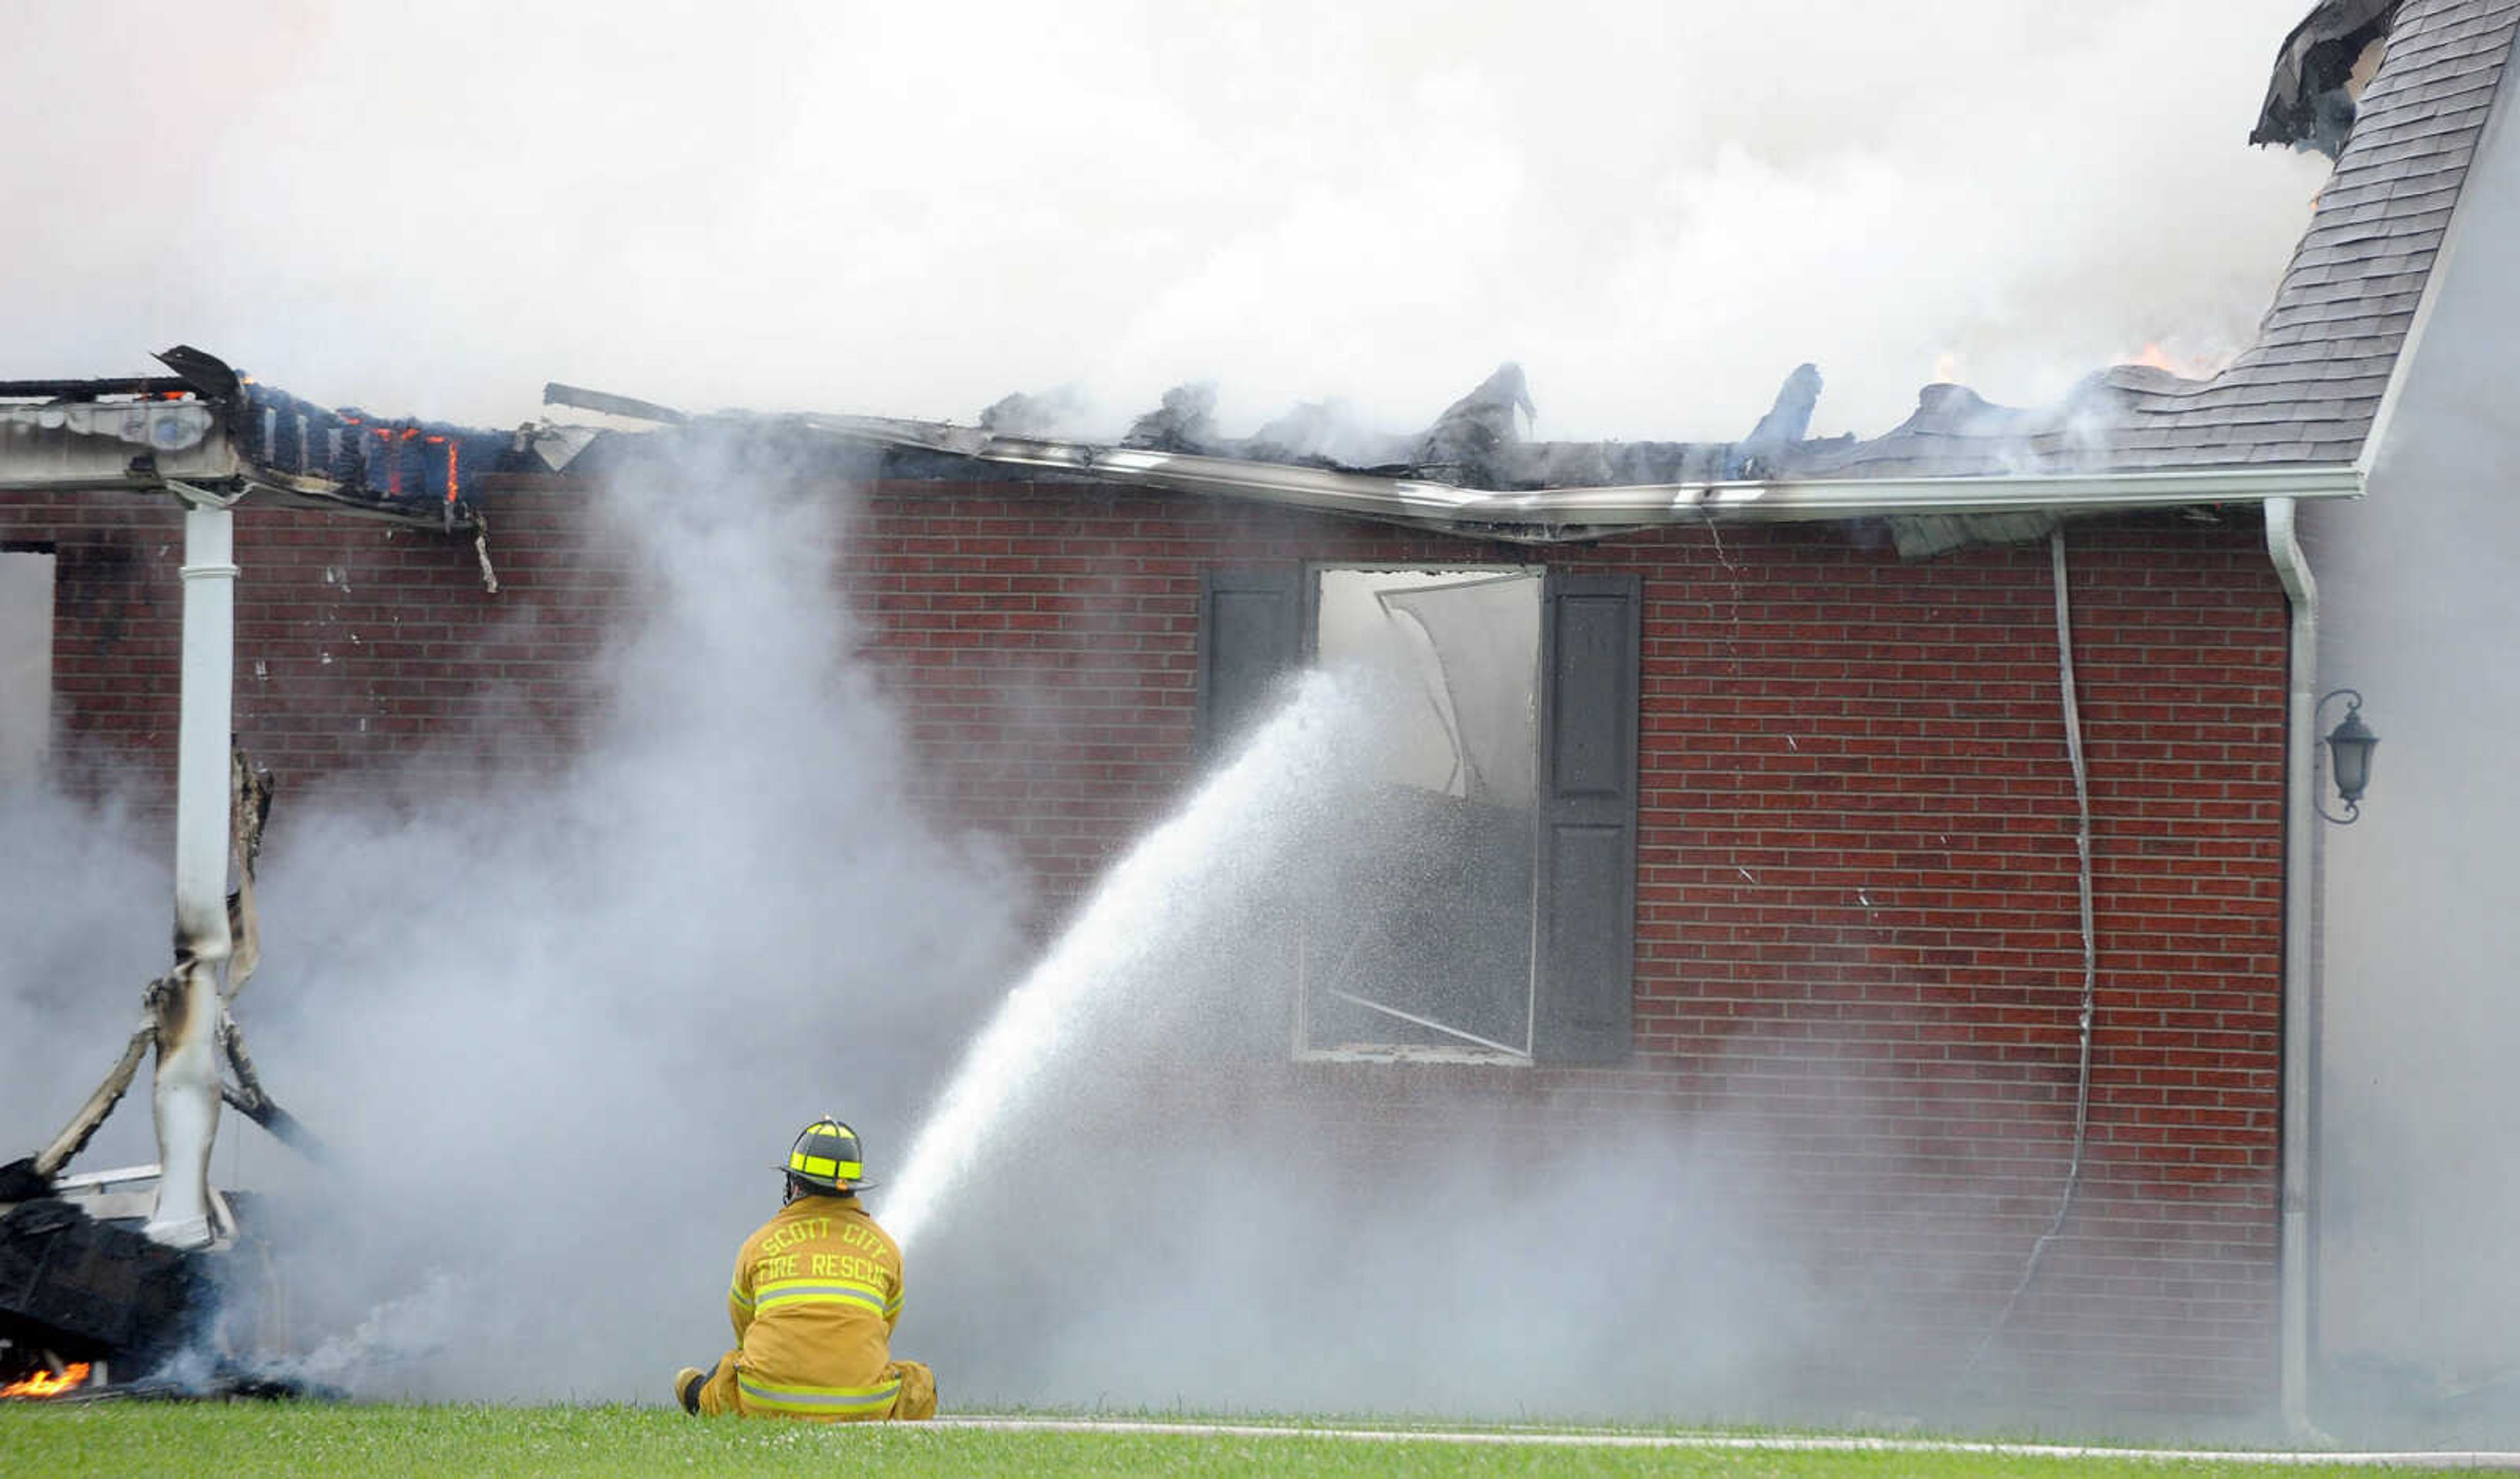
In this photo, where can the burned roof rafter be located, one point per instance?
(209, 427)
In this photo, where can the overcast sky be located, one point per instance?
(1659, 209)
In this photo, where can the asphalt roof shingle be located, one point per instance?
(2309, 386)
(2313, 380)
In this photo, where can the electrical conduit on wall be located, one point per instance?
(2073, 716)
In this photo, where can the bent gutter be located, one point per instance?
(2299, 1004)
(151, 447)
(1548, 515)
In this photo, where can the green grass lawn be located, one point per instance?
(218, 1440)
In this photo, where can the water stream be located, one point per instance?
(1221, 839)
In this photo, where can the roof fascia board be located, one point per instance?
(2490, 136)
(138, 445)
(1883, 498)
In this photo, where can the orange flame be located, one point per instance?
(46, 1384)
(2184, 362)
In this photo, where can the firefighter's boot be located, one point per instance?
(687, 1388)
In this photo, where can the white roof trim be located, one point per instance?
(39, 448)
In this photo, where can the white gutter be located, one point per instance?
(116, 445)
(2300, 981)
(184, 1096)
(1588, 512)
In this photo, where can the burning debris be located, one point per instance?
(47, 1383)
(80, 1287)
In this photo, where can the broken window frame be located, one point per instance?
(1470, 1047)
(1249, 644)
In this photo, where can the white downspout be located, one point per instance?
(2300, 999)
(184, 1097)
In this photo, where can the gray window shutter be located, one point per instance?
(1250, 637)
(1589, 647)
(1251, 640)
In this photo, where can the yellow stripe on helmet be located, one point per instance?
(824, 1165)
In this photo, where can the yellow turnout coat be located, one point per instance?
(816, 1294)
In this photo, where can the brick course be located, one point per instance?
(1857, 905)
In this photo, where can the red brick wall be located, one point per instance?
(359, 645)
(1857, 923)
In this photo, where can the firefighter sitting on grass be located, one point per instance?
(816, 1294)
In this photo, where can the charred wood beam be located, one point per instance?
(284, 1127)
(250, 790)
(249, 807)
(247, 1097)
(250, 797)
(82, 1126)
(481, 551)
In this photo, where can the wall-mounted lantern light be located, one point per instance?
(2349, 754)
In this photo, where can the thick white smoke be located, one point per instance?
(1659, 209)
(87, 906)
(559, 1026)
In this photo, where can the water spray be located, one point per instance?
(1115, 933)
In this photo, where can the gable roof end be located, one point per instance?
(2311, 387)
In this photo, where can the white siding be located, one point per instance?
(2420, 1087)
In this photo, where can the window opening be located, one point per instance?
(1419, 941)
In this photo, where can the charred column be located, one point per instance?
(185, 1096)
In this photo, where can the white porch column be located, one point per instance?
(185, 1096)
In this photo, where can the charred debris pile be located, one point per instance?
(107, 1288)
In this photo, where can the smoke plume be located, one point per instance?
(1658, 210)
(558, 1026)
